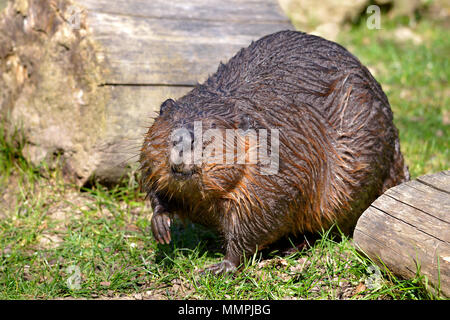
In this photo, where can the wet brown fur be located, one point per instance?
(339, 149)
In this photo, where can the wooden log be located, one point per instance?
(83, 77)
(408, 230)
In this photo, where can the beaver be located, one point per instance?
(321, 115)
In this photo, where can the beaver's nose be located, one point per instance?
(178, 168)
(183, 170)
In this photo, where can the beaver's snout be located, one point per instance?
(183, 171)
(181, 153)
(181, 158)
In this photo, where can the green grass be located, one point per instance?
(48, 229)
(108, 239)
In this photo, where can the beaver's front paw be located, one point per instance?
(161, 228)
(220, 268)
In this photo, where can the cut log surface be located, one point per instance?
(83, 77)
(179, 42)
(408, 230)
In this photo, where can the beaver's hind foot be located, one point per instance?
(226, 266)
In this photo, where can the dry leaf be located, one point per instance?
(360, 288)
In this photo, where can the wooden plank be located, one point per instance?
(164, 62)
(421, 196)
(160, 51)
(129, 115)
(131, 107)
(181, 31)
(399, 234)
(403, 248)
(438, 181)
(407, 227)
(213, 10)
(412, 216)
(388, 247)
(393, 256)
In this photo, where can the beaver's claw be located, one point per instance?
(220, 268)
(161, 228)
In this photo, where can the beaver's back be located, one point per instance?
(293, 65)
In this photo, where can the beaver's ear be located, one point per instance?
(166, 106)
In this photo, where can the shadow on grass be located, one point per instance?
(189, 237)
(194, 241)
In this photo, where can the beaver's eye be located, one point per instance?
(246, 122)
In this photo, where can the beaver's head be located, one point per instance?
(196, 153)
